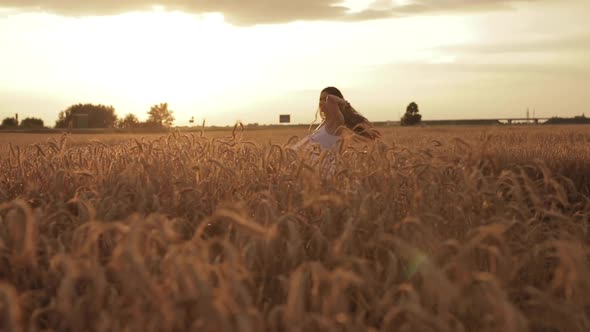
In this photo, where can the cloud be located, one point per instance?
(449, 72)
(430, 6)
(567, 43)
(250, 12)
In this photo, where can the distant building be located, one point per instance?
(80, 120)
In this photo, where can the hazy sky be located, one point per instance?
(251, 60)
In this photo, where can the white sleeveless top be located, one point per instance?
(324, 139)
(321, 137)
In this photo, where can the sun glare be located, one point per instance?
(154, 57)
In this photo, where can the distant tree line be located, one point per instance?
(159, 116)
(27, 123)
(579, 119)
(97, 116)
(101, 116)
(87, 116)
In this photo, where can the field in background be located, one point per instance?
(432, 229)
(564, 148)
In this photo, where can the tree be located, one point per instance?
(411, 117)
(97, 116)
(32, 123)
(129, 121)
(160, 115)
(9, 123)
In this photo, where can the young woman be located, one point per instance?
(338, 118)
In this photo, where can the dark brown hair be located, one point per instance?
(353, 119)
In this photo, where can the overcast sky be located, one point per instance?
(251, 60)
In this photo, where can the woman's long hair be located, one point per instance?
(352, 119)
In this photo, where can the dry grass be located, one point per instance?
(424, 231)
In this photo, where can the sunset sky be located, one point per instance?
(251, 60)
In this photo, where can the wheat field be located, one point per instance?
(430, 229)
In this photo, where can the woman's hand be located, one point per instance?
(337, 100)
(330, 106)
